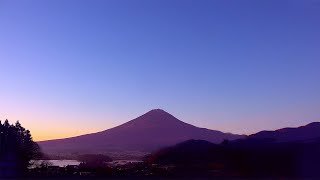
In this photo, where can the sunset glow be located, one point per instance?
(79, 67)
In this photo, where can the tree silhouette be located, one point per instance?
(225, 142)
(17, 147)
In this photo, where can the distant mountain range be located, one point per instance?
(287, 152)
(153, 130)
(307, 133)
(157, 129)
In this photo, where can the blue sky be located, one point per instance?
(72, 66)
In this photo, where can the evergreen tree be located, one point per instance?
(17, 146)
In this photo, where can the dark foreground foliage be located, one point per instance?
(16, 149)
(245, 158)
(94, 158)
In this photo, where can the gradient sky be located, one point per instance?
(69, 67)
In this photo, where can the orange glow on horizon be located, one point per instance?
(51, 134)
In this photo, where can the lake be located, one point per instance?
(60, 163)
(63, 163)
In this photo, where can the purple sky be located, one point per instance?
(70, 67)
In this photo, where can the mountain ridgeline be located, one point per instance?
(149, 132)
(307, 133)
(288, 152)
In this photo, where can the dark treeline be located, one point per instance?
(248, 158)
(16, 149)
(94, 158)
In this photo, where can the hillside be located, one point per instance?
(307, 133)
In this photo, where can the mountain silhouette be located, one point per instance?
(307, 133)
(153, 130)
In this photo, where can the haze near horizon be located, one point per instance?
(76, 67)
